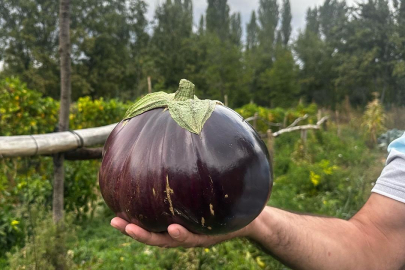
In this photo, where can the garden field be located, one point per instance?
(331, 173)
(336, 67)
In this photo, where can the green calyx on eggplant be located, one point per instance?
(184, 107)
(177, 159)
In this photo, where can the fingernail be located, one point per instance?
(176, 234)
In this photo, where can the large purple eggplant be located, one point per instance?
(177, 159)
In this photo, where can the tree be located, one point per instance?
(399, 63)
(139, 24)
(268, 18)
(252, 56)
(224, 72)
(64, 51)
(252, 30)
(201, 26)
(29, 35)
(331, 14)
(312, 21)
(286, 22)
(141, 62)
(368, 56)
(101, 34)
(217, 16)
(281, 81)
(101, 54)
(315, 62)
(236, 29)
(169, 43)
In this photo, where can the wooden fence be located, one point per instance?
(75, 143)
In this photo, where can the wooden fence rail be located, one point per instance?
(73, 143)
(46, 144)
(303, 127)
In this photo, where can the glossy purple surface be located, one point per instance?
(155, 173)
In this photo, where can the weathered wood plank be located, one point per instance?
(44, 144)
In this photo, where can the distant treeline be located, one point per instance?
(342, 52)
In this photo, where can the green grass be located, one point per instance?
(102, 247)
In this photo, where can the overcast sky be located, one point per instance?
(245, 7)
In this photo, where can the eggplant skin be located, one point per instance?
(155, 173)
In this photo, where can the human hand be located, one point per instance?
(176, 235)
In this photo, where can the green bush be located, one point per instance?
(88, 113)
(24, 111)
(329, 175)
(23, 183)
(45, 248)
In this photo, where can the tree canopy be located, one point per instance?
(342, 51)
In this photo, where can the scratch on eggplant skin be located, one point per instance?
(186, 215)
(154, 193)
(211, 184)
(202, 221)
(168, 192)
(181, 214)
(226, 195)
(212, 209)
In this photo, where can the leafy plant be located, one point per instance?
(24, 111)
(45, 246)
(24, 181)
(374, 119)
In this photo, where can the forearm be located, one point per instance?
(309, 242)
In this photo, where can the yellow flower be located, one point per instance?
(122, 259)
(14, 223)
(315, 178)
(260, 262)
(207, 250)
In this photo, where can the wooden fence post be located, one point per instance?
(65, 93)
(285, 121)
(304, 140)
(338, 123)
(270, 144)
(226, 100)
(256, 115)
(149, 85)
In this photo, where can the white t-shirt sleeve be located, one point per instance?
(391, 182)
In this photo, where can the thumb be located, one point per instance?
(186, 238)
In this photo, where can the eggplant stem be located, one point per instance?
(185, 91)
